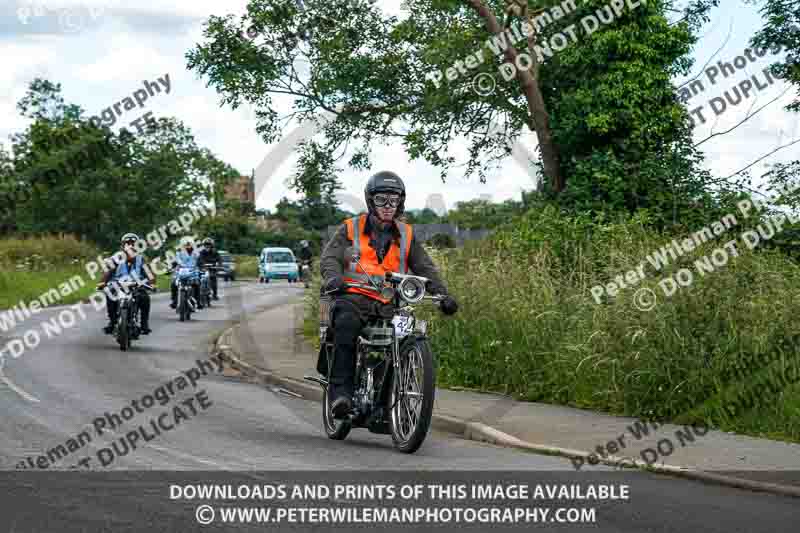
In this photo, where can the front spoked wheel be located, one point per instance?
(412, 394)
(336, 429)
(123, 330)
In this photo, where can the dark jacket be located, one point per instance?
(209, 258)
(305, 254)
(339, 249)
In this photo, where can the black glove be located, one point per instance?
(449, 306)
(334, 284)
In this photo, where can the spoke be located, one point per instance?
(412, 418)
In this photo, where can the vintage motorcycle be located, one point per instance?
(395, 376)
(205, 284)
(305, 272)
(129, 321)
(187, 279)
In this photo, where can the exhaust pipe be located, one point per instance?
(320, 381)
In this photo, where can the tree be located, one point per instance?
(376, 74)
(782, 31)
(315, 179)
(71, 176)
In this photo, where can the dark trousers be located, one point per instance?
(213, 282)
(112, 307)
(347, 324)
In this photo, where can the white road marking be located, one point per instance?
(11, 385)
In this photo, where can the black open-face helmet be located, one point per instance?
(385, 181)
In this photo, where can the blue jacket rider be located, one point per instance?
(186, 258)
(133, 267)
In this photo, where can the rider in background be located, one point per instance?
(134, 267)
(384, 245)
(305, 253)
(210, 257)
(186, 258)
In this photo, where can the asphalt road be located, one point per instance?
(54, 392)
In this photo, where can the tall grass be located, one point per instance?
(529, 326)
(30, 267)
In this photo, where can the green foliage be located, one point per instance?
(478, 214)
(623, 137)
(441, 240)
(45, 253)
(422, 216)
(529, 325)
(67, 175)
(780, 32)
(240, 235)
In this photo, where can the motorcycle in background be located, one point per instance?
(304, 265)
(205, 284)
(187, 279)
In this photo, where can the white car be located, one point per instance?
(277, 263)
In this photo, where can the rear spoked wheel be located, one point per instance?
(336, 429)
(412, 395)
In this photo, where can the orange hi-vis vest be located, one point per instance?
(395, 260)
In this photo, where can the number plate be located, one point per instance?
(403, 325)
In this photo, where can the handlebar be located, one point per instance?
(127, 284)
(432, 297)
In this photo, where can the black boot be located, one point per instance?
(342, 403)
(109, 329)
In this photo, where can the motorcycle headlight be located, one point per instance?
(412, 290)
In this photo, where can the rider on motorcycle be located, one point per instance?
(186, 258)
(305, 255)
(133, 267)
(210, 257)
(384, 246)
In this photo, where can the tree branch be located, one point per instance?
(745, 119)
(762, 158)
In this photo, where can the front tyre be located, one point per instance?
(123, 331)
(336, 429)
(183, 307)
(412, 395)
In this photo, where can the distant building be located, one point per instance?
(435, 203)
(243, 189)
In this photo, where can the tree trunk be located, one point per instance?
(538, 118)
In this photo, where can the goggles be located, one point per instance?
(381, 200)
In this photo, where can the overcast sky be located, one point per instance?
(101, 51)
